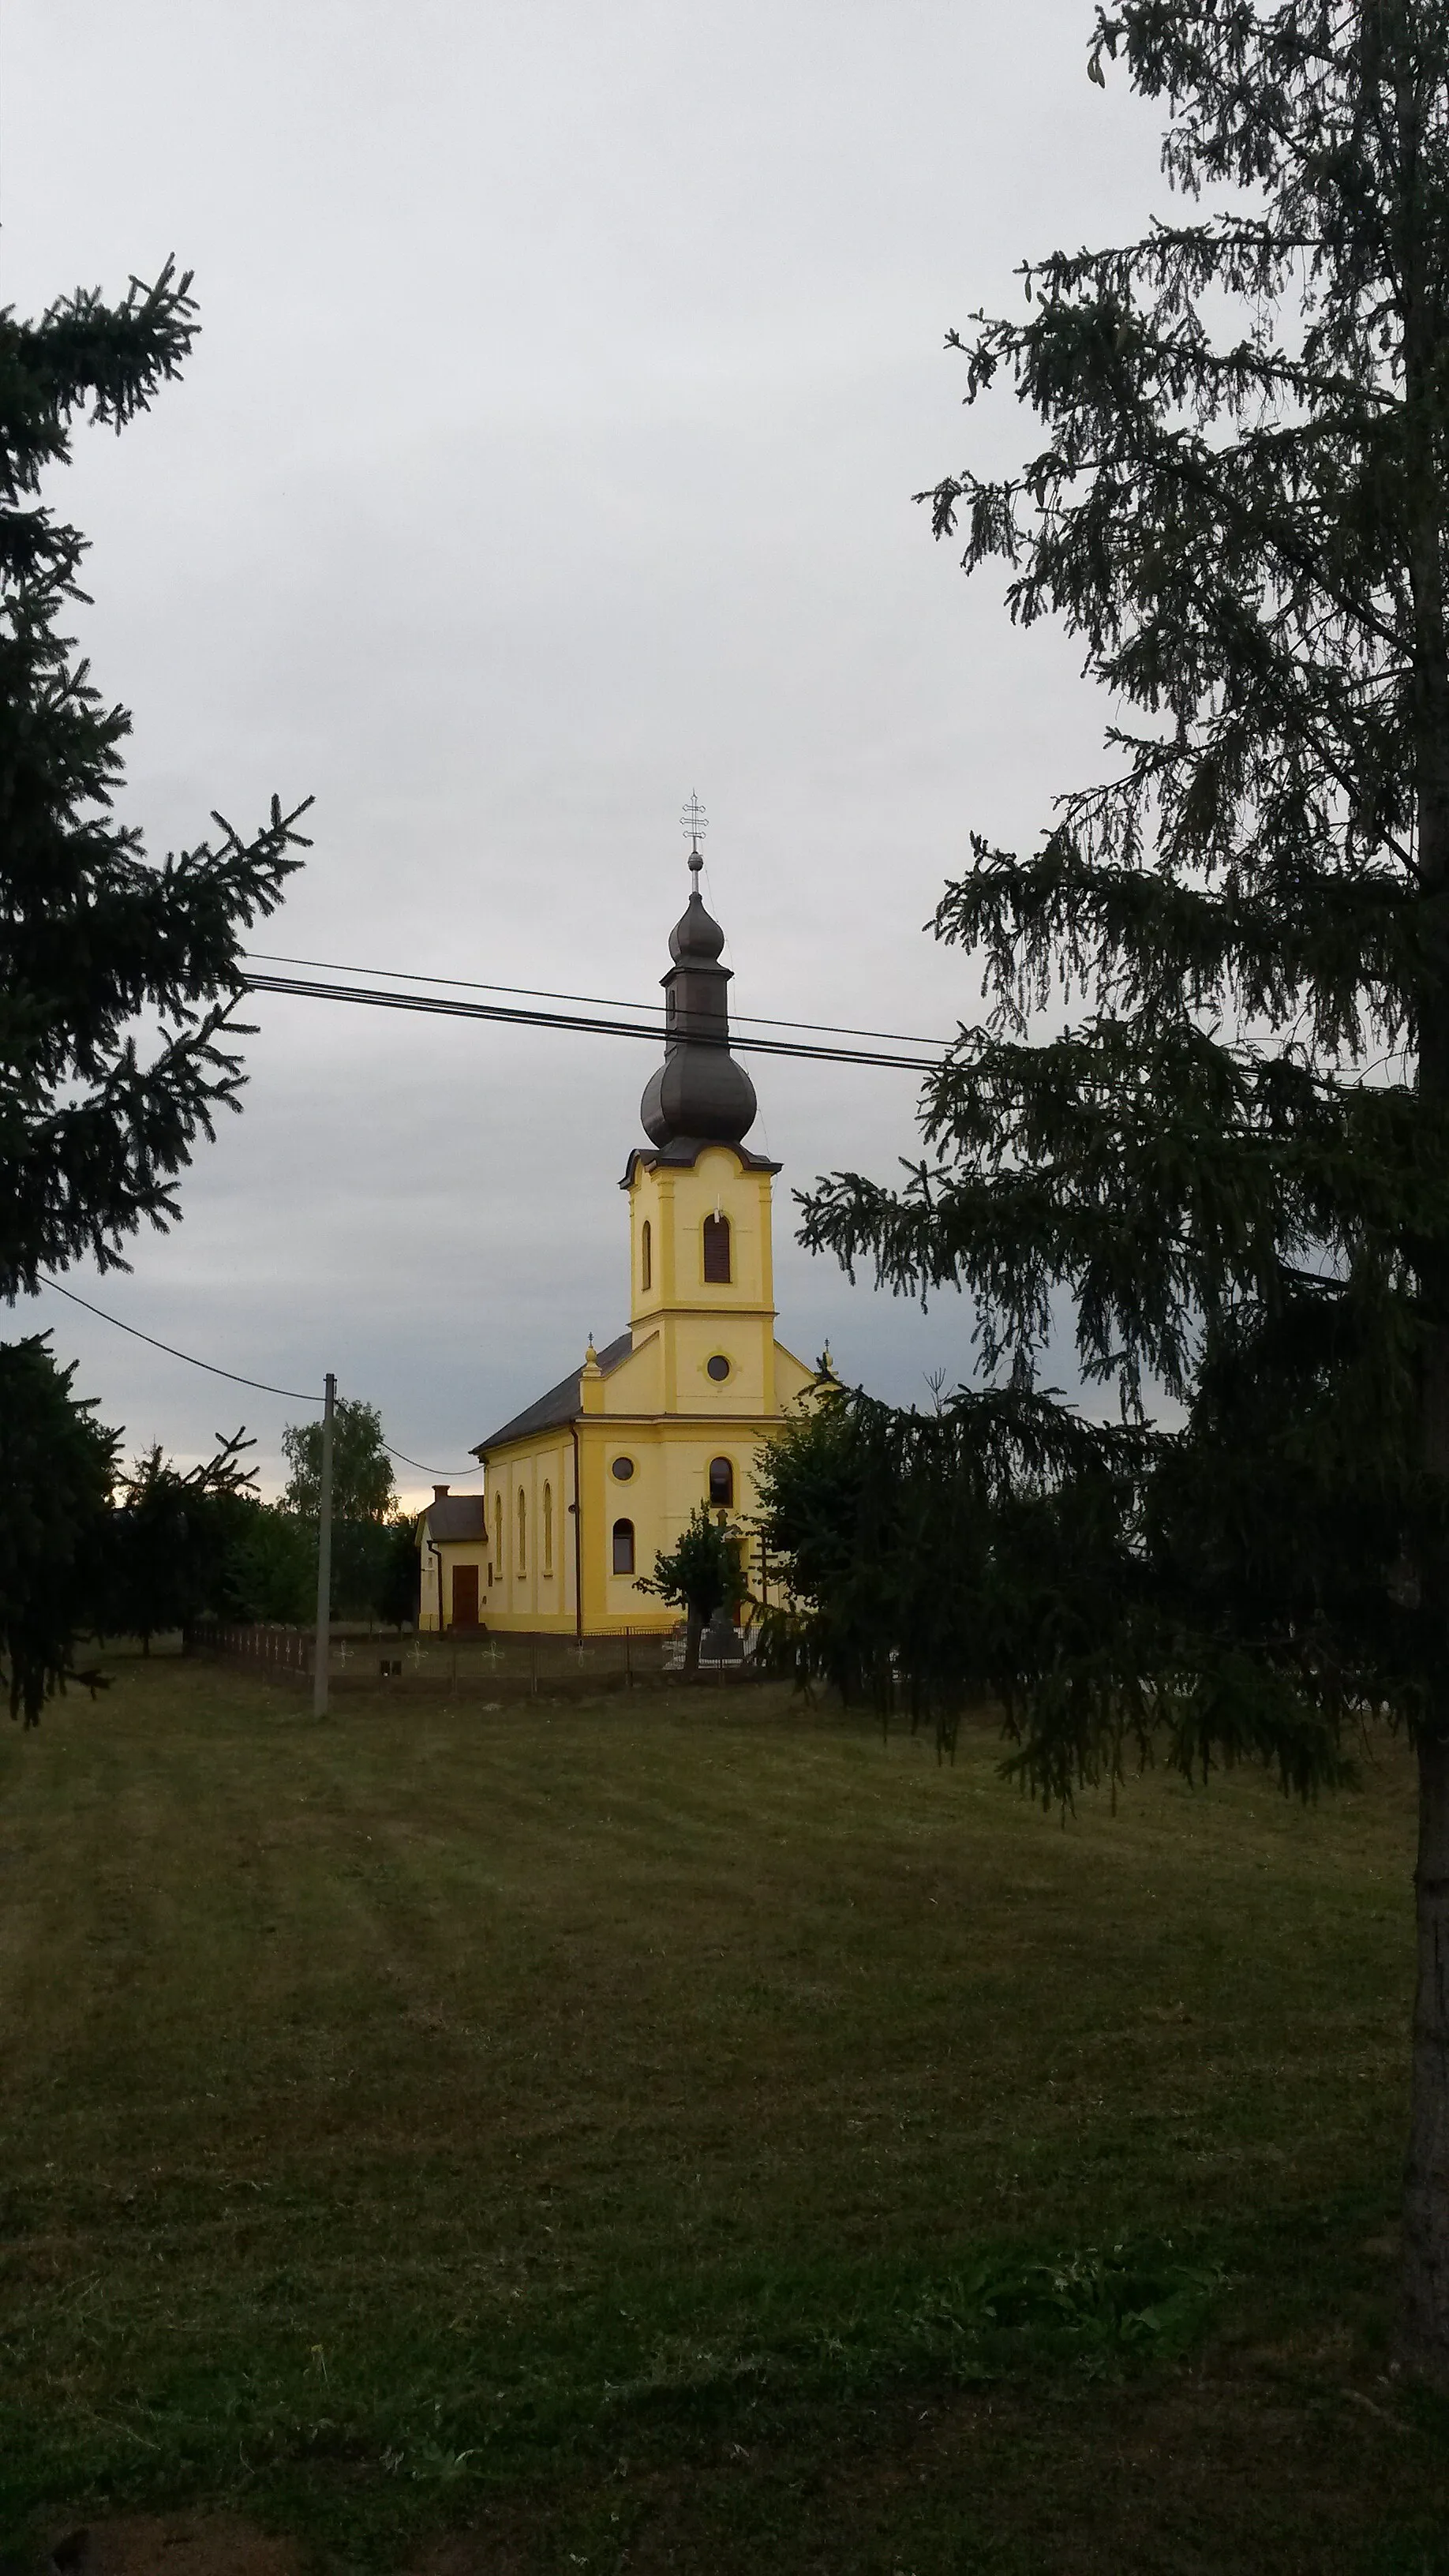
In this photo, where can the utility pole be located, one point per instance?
(322, 1655)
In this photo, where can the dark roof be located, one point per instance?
(695, 940)
(698, 1090)
(456, 1518)
(561, 1404)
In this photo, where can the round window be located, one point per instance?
(718, 1368)
(623, 1469)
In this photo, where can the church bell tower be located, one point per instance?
(702, 1263)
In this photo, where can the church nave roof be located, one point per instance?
(563, 1403)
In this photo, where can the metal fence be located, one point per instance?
(482, 1667)
(282, 1654)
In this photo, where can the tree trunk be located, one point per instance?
(1424, 2326)
(1426, 2179)
(694, 1630)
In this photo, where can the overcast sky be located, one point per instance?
(567, 367)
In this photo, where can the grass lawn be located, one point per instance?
(684, 2132)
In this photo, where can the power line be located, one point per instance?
(449, 1472)
(519, 1018)
(574, 1021)
(594, 1001)
(293, 1394)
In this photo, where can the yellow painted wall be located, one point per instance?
(671, 1460)
(531, 1587)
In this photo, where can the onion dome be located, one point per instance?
(696, 939)
(699, 1094)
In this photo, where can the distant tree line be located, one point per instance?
(90, 1549)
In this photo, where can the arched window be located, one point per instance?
(721, 1483)
(717, 1250)
(623, 1547)
(498, 1534)
(646, 1257)
(522, 1531)
(548, 1529)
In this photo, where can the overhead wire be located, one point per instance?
(435, 1005)
(380, 998)
(592, 1001)
(293, 1394)
(449, 1472)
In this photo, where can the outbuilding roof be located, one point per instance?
(563, 1403)
(455, 1519)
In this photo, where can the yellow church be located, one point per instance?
(587, 1485)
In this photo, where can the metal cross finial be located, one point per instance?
(695, 822)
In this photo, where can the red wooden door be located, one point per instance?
(465, 1596)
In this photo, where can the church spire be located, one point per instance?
(699, 1094)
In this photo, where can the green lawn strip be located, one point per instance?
(426, 2107)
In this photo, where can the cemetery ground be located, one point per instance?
(688, 2132)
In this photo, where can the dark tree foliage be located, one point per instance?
(56, 1466)
(935, 1560)
(171, 1540)
(395, 1582)
(94, 1125)
(270, 1572)
(1005, 1550)
(701, 1573)
(374, 1570)
(362, 1477)
(1233, 1163)
(269, 1568)
(374, 1553)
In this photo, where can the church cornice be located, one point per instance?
(683, 1152)
(612, 1423)
(609, 1424)
(652, 1316)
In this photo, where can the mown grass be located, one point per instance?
(693, 2133)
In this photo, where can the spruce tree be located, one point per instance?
(170, 1537)
(1231, 1163)
(990, 1550)
(57, 1464)
(98, 945)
